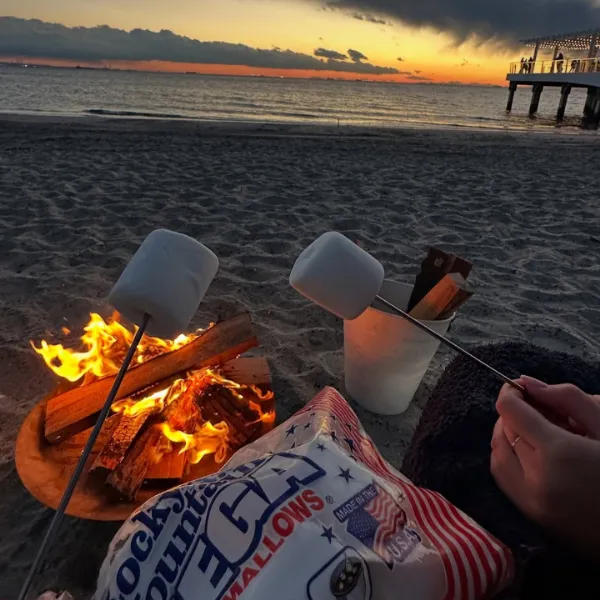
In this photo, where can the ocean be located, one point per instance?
(81, 92)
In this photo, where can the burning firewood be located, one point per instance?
(119, 442)
(182, 416)
(128, 477)
(71, 412)
(171, 467)
(174, 410)
(205, 414)
(216, 408)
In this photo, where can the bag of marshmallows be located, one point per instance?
(309, 511)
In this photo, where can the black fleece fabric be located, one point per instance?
(450, 454)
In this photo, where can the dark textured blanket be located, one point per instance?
(450, 453)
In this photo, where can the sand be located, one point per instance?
(78, 196)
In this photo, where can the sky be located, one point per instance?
(469, 41)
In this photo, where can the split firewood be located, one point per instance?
(240, 408)
(128, 477)
(434, 267)
(171, 467)
(121, 439)
(251, 370)
(70, 449)
(445, 298)
(149, 448)
(74, 411)
(214, 409)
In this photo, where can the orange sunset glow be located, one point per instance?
(388, 49)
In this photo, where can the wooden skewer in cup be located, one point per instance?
(344, 279)
(159, 290)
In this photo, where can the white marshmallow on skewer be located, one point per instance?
(166, 279)
(344, 279)
(337, 274)
(159, 290)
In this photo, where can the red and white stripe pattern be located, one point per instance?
(391, 520)
(476, 564)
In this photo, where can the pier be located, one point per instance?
(573, 64)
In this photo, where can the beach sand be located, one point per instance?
(78, 196)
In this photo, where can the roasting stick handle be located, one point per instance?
(60, 511)
(451, 344)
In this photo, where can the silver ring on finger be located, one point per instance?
(517, 440)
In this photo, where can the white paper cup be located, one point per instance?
(385, 356)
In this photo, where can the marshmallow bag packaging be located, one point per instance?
(309, 511)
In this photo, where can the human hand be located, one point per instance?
(550, 473)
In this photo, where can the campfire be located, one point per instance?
(188, 403)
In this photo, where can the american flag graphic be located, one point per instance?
(391, 519)
(377, 522)
(476, 564)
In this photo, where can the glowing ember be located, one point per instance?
(105, 346)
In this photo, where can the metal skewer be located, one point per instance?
(450, 344)
(60, 511)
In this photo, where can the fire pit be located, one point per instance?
(182, 411)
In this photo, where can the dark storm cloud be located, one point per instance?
(419, 78)
(504, 19)
(33, 38)
(356, 56)
(332, 54)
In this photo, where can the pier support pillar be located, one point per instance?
(588, 109)
(562, 107)
(535, 99)
(591, 110)
(511, 95)
(595, 117)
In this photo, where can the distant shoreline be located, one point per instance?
(33, 65)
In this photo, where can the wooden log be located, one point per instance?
(70, 412)
(128, 477)
(434, 267)
(71, 448)
(214, 411)
(449, 294)
(241, 409)
(252, 370)
(150, 447)
(219, 405)
(121, 439)
(172, 467)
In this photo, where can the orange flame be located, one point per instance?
(156, 402)
(207, 439)
(105, 345)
